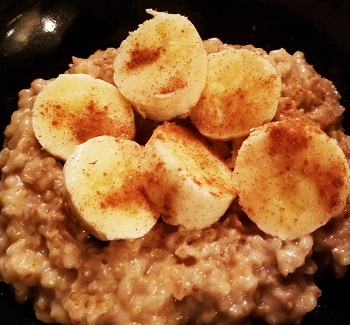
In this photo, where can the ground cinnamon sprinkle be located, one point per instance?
(124, 197)
(140, 57)
(287, 139)
(329, 185)
(95, 121)
(60, 115)
(173, 84)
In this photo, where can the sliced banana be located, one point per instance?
(242, 92)
(291, 178)
(76, 107)
(162, 66)
(103, 180)
(188, 184)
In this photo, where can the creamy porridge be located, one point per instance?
(228, 272)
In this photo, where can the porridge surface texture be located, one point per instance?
(230, 272)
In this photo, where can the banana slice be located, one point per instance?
(162, 66)
(242, 92)
(291, 178)
(188, 184)
(103, 180)
(76, 107)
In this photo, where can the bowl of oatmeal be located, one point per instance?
(229, 271)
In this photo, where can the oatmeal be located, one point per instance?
(228, 272)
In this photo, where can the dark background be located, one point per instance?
(319, 28)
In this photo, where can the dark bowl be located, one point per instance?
(39, 37)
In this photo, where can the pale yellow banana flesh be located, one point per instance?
(162, 66)
(188, 184)
(103, 179)
(76, 107)
(242, 92)
(291, 178)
